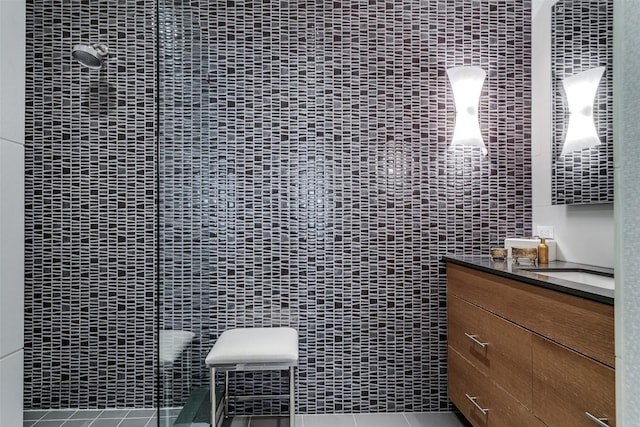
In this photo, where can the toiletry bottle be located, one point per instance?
(543, 252)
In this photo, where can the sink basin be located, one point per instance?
(579, 276)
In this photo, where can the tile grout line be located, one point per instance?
(406, 419)
(124, 417)
(45, 413)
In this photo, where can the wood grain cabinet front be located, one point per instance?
(521, 355)
(497, 348)
(560, 317)
(570, 389)
(482, 401)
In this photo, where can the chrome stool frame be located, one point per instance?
(253, 349)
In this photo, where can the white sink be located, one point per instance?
(587, 278)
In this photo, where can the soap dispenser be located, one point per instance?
(543, 252)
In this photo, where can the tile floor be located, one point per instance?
(441, 419)
(91, 418)
(147, 418)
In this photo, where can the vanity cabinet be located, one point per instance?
(523, 355)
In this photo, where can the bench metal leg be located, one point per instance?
(292, 398)
(225, 398)
(212, 393)
(226, 394)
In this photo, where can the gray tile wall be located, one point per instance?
(582, 38)
(305, 180)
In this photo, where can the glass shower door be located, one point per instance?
(184, 298)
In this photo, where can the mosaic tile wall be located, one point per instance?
(582, 38)
(90, 207)
(306, 180)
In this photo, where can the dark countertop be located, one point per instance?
(507, 269)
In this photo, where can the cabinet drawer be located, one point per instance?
(567, 384)
(506, 356)
(560, 317)
(502, 409)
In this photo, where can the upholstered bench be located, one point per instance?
(253, 349)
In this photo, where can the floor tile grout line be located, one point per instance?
(62, 421)
(35, 421)
(406, 419)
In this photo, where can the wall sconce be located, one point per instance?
(466, 83)
(581, 92)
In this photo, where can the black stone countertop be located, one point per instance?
(507, 269)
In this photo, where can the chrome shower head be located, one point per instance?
(91, 56)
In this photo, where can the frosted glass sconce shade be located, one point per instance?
(581, 91)
(467, 85)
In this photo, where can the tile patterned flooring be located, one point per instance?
(148, 418)
(91, 418)
(440, 419)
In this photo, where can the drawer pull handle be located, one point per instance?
(599, 421)
(475, 339)
(480, 408)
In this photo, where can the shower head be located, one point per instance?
(91, 56)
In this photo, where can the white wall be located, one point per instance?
(627, 206)
(12, 104)
(584, 233)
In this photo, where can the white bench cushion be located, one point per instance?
(255, 345)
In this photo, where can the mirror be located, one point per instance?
(581, 42)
